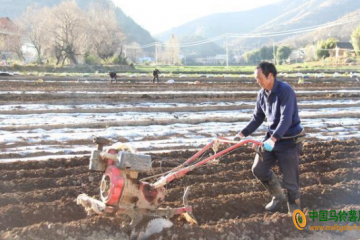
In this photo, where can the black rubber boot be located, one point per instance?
(273, 186)
(293, 201)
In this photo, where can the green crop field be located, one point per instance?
(318, 66)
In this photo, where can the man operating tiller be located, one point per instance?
(276, 102)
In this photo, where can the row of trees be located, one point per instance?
(67, 33)
(268, 53)
(318, 51)
(282, 53)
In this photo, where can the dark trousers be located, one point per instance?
(157, 79)
(113, 79)
(287, 154)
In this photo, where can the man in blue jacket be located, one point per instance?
(276, 102)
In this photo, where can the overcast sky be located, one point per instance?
(158, 16)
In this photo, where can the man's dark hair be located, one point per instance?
(266, 68)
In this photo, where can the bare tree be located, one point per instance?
(67, 31)
(103, 31)
(34, 25)
(310, 53)
(162, 55)
(58, 51)
(13, 43)
(173, 50)
(133, 52)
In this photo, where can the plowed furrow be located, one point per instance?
(207, 209)
(24, 185)
(51, 163)
(236, 187)
(58, 211)
(46, 195)
(43, 173)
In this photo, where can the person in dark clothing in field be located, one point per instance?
(276, 102)
(156, 73)
(113, 76)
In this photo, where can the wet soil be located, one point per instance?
(37, 199)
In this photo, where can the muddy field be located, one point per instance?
(168, 121)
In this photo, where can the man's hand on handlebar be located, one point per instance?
(238, 137)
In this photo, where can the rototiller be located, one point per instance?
(123, 193)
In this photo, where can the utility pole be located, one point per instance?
(156, 54)
(227, 50)
(274, 54)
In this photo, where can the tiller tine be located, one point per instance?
(189, 216)
(90, 204)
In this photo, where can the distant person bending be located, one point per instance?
(156, 73)
(113, 76)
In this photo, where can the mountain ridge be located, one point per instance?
(282, 16)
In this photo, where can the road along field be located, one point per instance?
(57, 119)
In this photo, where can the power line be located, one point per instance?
(190, 44)
(299, 30)
(252, 35)
(288, 12)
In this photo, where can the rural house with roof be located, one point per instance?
(343, 49)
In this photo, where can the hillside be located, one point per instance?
(307, 14)
(217, 24)
(132, 31)
(288, 14)
(203, 50)
(341, 33)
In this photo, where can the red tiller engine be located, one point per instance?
(121, 190)
(120, 185)
(123, 193)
